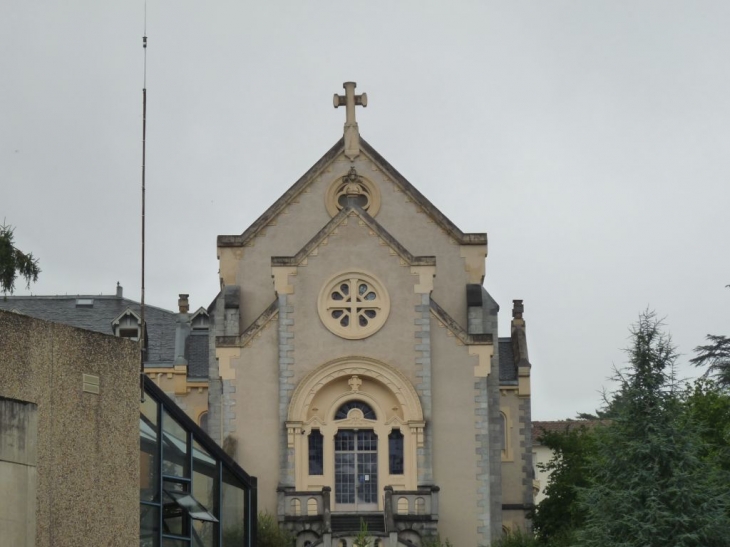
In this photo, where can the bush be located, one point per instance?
(516, 538)
(269, 533)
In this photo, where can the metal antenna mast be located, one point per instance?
(143, 329)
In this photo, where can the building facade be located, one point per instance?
(354, 345)
(176, 355)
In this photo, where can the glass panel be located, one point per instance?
(203, 534)
(395, 452)
(174, 447)
(232, 511)
(168, 542)
(316, 448)
(190, 505)
(367, 411)
(344, 478)
(174, 517)
(367, 477)
(149, 526)
(204, 475)
(345, 440)
(149, 474)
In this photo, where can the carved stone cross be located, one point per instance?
(349, 100)
(355, 383)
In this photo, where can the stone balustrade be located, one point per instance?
(310, 506)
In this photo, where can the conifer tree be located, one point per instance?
(649, 485)
(13, 262)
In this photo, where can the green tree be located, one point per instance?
(708, 404)
(649, 484)
(716, 357)
(13, 262)
(556, 517)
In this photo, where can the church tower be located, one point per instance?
(353, 362)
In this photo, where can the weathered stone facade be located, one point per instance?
(383, 334)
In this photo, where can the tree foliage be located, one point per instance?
(648, 482)
(14, 263)
(270, 534)
(716, 357)
(557, 517)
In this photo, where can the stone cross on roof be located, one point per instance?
(349, 100)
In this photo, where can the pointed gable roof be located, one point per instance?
(370, 222)
(408, 189)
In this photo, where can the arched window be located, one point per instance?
(367, 412)
(203, 421)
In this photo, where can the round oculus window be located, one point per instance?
(353, 305)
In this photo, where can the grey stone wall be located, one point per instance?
(423, 387)
(286, 387)
(490, 318)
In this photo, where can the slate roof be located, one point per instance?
(161, 324)
(196, 352)
(507, 368)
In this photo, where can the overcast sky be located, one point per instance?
(589, 139)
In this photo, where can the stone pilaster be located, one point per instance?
(423, 388)
(286, 387)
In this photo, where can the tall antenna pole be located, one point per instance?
(142, 337)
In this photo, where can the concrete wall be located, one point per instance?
(87, 443)
(18, 473)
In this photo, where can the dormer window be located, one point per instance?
(127, 325)
(200, 320)
(84, 302)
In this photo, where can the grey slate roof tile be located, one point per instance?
(507, 368)
(161, 324)
(196, 352)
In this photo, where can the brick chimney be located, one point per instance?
(120, 290)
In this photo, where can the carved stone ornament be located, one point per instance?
(352, 188)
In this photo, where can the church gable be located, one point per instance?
(313, 202)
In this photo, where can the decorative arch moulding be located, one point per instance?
(365, 368)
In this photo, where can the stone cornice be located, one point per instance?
(246, 336)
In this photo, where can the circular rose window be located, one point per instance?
(353, 305)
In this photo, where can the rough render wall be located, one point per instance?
(18, 472)
(457, 457)
(88, 444)
(306, 215)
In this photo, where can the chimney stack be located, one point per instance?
(182, 303)
(120, 291)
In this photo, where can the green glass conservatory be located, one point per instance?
(192, 494)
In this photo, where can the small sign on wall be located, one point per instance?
(91, 383)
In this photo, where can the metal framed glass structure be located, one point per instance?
(192, 494)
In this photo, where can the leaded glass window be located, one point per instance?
(366, 410)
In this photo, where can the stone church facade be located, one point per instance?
(356, 367)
